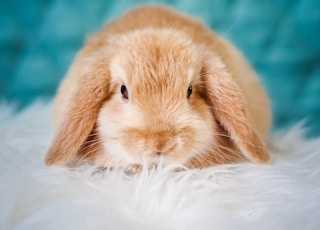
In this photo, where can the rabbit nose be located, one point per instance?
(162, 141)
(156, 154)
(162, 147)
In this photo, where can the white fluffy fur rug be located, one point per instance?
(282, 195)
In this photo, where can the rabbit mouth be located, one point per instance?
(160, 161)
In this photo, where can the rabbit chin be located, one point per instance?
(114, 155)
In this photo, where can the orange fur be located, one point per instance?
(157, 54)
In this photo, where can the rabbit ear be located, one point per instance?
(81, 115)
(230, 110)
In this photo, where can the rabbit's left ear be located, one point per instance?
(230, 109)
(92, 89)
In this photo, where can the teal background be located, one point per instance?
(281, 39)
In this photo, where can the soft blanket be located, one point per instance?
(282, 195)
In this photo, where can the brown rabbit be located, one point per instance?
(157, 85)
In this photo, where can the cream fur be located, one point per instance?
(150, 50)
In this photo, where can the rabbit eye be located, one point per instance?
(124, 92)
(189, 91)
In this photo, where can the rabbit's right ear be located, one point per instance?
(92, 89)
(230, 110)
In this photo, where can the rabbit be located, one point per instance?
(156, 86)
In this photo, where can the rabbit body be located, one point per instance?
(158, 85)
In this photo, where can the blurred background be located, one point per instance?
(280, 38)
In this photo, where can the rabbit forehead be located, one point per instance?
(155, 59)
